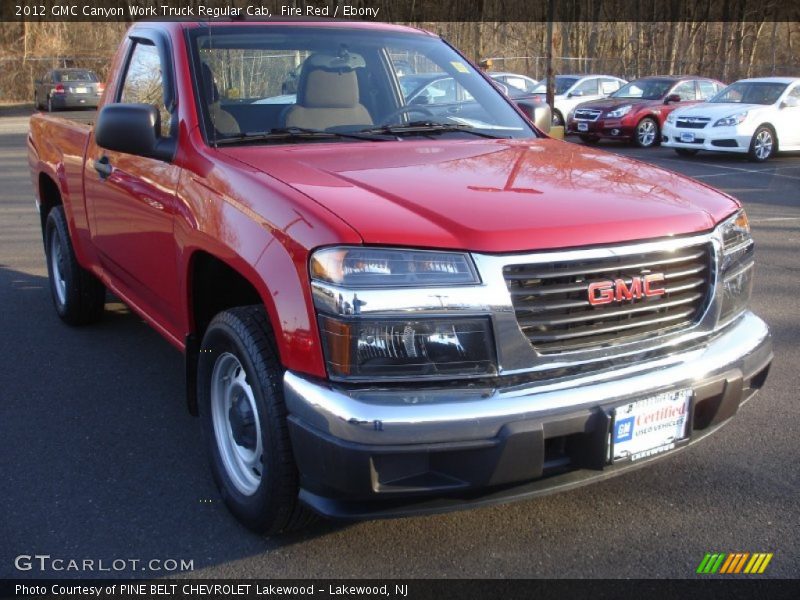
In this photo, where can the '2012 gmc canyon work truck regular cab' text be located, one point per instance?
(391, 307)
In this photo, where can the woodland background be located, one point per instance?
(726, 50)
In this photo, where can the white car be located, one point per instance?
(572, 90)
(522, 82)
(754, 116)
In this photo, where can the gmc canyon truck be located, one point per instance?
(392, 307)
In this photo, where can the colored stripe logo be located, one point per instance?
(735, 563)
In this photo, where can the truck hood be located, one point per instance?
(491, 195)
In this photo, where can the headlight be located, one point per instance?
(361, 349)
(620, 112)
(736, 269)
(388, 267)
(731, 120)
(392, 342)
(671, 118)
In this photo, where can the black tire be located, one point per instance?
(647, 134)
(763, 144)
(589, 139)
(558, 119)
(685, 152)
(272, 505)
(50, 107)
(78, 296)
(36, 104)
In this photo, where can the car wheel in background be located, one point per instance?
(50, 107)
(589, 139)
(558, 119)
(647, 134)
(244, 418)
(763, 144)
(79, 297)
(685, 151)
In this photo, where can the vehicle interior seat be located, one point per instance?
(328, 93)
(224, 122)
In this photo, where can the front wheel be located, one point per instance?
(762, 145)
(685, 152)
(558, 119)
(647, 134)
(78, 296)
(245, 422)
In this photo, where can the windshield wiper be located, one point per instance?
(281, 134)
(429, 127)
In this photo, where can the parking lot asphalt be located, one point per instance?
(101, 461)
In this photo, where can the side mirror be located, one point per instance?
(421, 99)
(133, 129)
(538, 112)
(672, 98)
(790, 102)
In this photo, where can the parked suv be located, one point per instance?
(636, 112)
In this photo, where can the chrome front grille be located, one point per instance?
(551, 299)
(692, 122)
(586, 114)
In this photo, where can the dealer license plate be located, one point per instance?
(687, 137)
(81, 90)
(650, 426)
(583, 127)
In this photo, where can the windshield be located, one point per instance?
(69, 76)
(287, 84)
(646, 89)
(751, 92)
(563, 83)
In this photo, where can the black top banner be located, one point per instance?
(405, 10)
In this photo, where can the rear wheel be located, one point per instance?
(763, 144)
(78, 296)
(647, 134)
(589, 139)
(245, 422)
(50, 107)
(685, 151)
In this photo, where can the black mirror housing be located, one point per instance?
(672, 98)
(133, 129)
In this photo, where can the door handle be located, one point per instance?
(103, 167)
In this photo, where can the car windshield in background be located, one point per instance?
(751, 92)
(70, 76)
(645, 89)
(284, 84)
(562, 85)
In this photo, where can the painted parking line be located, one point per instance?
(743, 172)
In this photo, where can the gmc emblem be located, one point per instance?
(616, 290)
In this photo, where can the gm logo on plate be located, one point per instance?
(623, 430)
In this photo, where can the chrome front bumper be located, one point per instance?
(431, 415)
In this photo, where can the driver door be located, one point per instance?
(131, 200)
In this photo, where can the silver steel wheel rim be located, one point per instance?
(57, 267)
(763, 147)
(237, 429)
(646, 132)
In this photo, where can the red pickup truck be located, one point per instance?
(386, 306)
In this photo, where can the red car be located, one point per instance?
(636, 112)
(386, 308)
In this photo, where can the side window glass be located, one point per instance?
(144, 82)
(707, 90)
(609, 86)
(588, 87)
(795, 93)
(686, 91)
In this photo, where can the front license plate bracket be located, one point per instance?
(650, 426)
